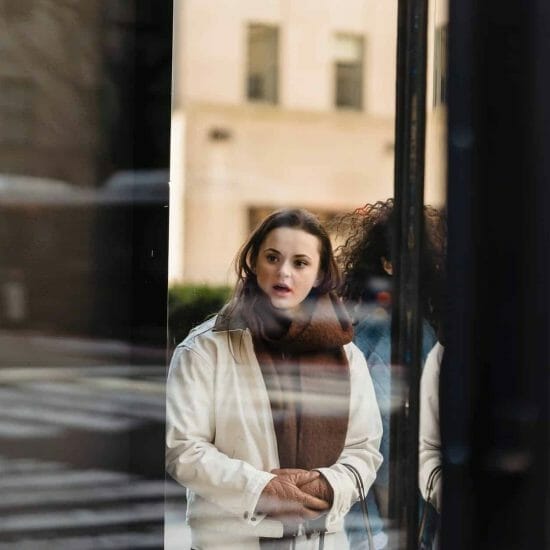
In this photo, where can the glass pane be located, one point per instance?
(430, 477)
(234, 163)
(84, 154)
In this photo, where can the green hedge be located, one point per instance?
(190, 305)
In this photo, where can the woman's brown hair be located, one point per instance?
(298, 218)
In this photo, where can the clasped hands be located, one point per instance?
(295, 495)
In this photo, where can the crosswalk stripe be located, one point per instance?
(72, 419)
(82, 518)
(24, 430)
(69, 478)
(21, 374)
(91, 495)
(71, 397)
(19, 465)
(48, 505)
(115, 541)
(97, 388)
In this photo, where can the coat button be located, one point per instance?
(252, 518)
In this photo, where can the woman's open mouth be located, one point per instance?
(281, 289)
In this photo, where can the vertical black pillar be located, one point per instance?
(535, 524)
(457, 376)
(406, 317)
(137, 52)
(495, 376)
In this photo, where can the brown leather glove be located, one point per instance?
(297, 476)
(282, 499)
(316, 486)
(319, 488)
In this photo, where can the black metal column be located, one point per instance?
(495, 376)
(406, 316)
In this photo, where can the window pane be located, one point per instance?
(262, 63)
(348, 71)
(233, 165)
(440, 66)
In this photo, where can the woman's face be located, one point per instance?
(287, 267)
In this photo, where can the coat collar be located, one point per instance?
(229, 318)
(326, 324)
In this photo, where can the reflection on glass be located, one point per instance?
(366, 258)
(430, 478)
(83, 195)
(429, 442)
(276, 105)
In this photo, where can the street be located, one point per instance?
(82, 448)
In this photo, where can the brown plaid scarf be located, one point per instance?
(307, 377)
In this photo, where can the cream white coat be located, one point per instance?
(429, 455)
(221, 443)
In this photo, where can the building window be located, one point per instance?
(440, 66)
(16, 113)
(348, 71)
(263, 47)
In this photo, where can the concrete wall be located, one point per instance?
(334, 161)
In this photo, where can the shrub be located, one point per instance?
(190, 305)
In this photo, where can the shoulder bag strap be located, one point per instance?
(429, 486)
(363, 501)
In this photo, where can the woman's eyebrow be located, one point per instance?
(275, 251)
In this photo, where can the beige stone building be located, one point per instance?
(276, 103)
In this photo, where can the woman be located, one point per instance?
(267, 401)
(366, 260)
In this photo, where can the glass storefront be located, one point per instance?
(85, 92)
(142, 142)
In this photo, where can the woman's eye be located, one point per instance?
(301, 263)
(271, 258)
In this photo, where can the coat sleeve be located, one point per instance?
(429, 455)
(362, 441)
(191, 457)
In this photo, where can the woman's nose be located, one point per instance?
(284, 269)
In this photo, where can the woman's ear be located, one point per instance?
(387, 266)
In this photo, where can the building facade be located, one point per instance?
(276, 103)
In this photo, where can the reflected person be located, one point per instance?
(268, 400)
(367, 265)
(429, 440)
